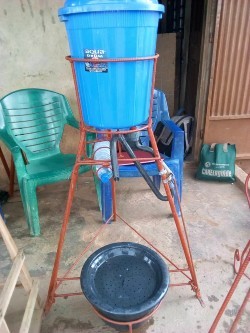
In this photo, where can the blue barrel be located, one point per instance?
(113, 95)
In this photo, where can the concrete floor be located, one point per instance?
(218, 222)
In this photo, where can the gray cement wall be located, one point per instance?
(33, 46)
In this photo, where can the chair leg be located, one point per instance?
(6, 167)
(106, 197)
(98, 190)
(12, 177)
(9, 171)
(29, 198)
(176, 173)
(157, 181)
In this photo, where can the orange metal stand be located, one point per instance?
(84, 159)
(243, 260)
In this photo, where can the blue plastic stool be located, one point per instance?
(175, 162)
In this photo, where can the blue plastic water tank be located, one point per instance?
(113, 95)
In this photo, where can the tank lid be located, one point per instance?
(80, 6)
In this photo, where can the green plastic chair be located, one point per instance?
(31, 126)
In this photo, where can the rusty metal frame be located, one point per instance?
(130, 323)
(84, 159)
(243, 259)
(244, 262)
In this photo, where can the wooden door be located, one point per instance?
(228, 106)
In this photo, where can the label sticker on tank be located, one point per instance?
(95, 67)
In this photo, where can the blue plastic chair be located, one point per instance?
(174, 162)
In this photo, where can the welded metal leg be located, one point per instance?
(53, 281)
(182, 233)
(240, 312)
(232, 290)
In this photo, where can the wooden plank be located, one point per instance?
(238, 87)
(185, 52)
(239, 116)
(10, 284)
(29, 310)
(8, 240)
(214, 58)
(245, 156)
(4, 328)
(36, 322)
(25, 277)
(204, 73)
(221, 28)
(229, 70)
(18, 285)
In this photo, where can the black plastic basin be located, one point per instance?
(124, 281)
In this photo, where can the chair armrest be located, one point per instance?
(5, 137)
(68, 113)
(8, 141)
(19, 162)
(16, 154)
(14, 149)
(73, 122)
(178, 139)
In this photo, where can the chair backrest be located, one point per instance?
(159, 111)
(34, 119)
(160, 108)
